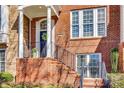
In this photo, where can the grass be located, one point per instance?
(12, 85)
(117, 80)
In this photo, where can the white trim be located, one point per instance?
(80, 24)
(37, 39)
(95, 32)
(53, 37)
(20, 26)
(100, 56)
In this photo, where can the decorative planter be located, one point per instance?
(35, 53)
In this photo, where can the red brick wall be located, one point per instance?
(45, 71)
(92, 45)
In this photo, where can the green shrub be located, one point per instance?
(6, 77)
(114, 59)
(117, 80)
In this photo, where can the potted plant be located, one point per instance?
(34, 52)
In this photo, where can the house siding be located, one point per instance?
(62, 35)
(90, 45)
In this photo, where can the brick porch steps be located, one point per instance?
(47, 71)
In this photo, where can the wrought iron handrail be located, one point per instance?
(61, 54)
(64, 56)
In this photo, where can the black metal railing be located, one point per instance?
(61, 54)
(65, 56)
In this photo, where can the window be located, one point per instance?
(89, 65)
(75, 24)
(2, 60)
(88, 23)
(43, 25)
(101, 22)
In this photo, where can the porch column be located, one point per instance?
(20, 30)
(49, 33)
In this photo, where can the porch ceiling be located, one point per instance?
(36, 11)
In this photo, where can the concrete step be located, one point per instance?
(93, 83)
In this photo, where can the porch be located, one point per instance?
(37, 36)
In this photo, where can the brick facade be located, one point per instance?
(90, 45)
(46, 71)
(62, 24)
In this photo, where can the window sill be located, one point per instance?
(87, 38)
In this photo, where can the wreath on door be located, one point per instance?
(44, 36)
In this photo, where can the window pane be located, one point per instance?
(2, 60)
(88, 16)
(88, 30)
(43, 25)
(101, 15)
(87, 23)
(101, 22)
(75, 18)
(94, 65)
(2, 66)
(81, 63)
(75, 24)
(89, 64)
(101, 29)
(75, 31)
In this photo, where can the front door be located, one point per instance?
(88, 65)
(43, 43)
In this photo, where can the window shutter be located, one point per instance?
(4, 22)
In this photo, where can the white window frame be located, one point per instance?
(100, 56)
(4, 60)
(94, 24)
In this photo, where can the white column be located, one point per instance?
(49, 33)
(20, 30)
(122, 23)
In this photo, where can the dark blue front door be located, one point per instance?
(43, 42)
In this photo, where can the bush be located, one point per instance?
(6, 77)
(114, 59)
(117, 80)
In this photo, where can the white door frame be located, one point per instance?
(37, 39)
